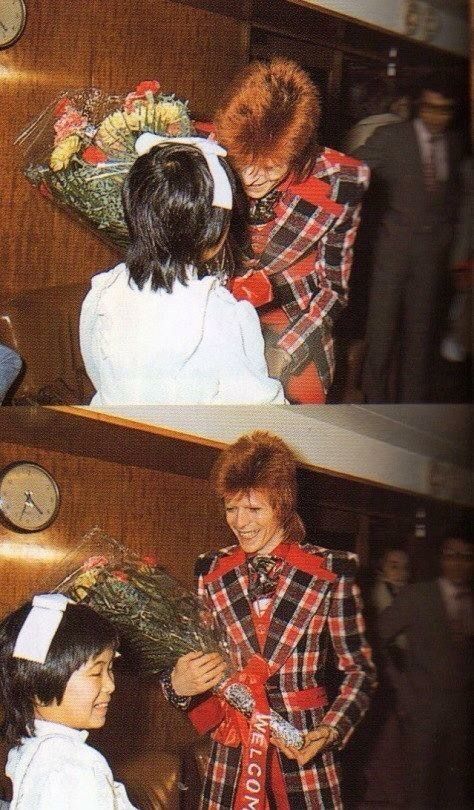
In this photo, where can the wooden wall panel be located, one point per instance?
(112, 45)
(175, 516)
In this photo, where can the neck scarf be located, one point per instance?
(262, 211)
(263, 576)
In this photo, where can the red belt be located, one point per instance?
(233, 729)
(314, 697)
(208, 714)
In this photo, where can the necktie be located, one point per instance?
(263, 210)
(263, 576)
(430, 169)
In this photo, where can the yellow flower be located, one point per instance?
(62, 153)
(111, 130)
(166, 113)
(83, 582)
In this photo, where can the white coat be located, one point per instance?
(57, 770)
(195, 345)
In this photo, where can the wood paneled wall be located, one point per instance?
(176, 517)
(113, 45)
(173, 516)
(130, 483)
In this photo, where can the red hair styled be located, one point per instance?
(270, 116)
(261, 461)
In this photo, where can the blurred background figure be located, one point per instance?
(392, 576)
(457, 343)
(383, 763)
(418, 161)
(375, 103)
(10, 367)
(437, 617)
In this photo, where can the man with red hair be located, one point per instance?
(290, 612)
(304, 203)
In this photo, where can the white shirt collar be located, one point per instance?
(421, 130)
(44, 727)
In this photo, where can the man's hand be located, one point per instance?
(196, 672)
(315, 743)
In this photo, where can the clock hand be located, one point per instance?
(30, 502)
(36, 507)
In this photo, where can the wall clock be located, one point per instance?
(29, 496)
(12, 21)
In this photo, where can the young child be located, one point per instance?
(56, 682)
(162, 328)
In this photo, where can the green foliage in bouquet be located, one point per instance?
(80, 148)
(157, 618)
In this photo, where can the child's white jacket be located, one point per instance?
(57, 770)
(195, 345)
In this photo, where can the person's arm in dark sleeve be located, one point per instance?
(397, 617)
(375, 152)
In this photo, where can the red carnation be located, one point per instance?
(254, 287)
(94, 562)
(94, 155)
(150, 560)
(121, 575)
(147, 87)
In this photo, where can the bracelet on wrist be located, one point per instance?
(178, 701)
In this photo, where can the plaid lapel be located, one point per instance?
(304, 213)
(227, 586)
(304, 583)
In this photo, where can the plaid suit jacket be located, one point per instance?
(316, 612)
(308, 255)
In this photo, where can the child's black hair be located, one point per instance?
(167, 201)
(81, 635)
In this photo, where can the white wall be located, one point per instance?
(452, 34)
(320, 441)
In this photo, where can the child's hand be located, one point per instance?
(196, 672)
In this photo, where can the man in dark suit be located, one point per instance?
(418, 161)
(437, 617)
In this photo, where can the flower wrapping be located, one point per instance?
(157, 618)
(80, 148)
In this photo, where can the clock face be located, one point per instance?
(12, 21)
(29, 496)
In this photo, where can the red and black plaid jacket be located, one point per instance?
(308, 255)
(316, 614)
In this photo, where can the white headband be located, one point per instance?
(38, 630)
(222, 197)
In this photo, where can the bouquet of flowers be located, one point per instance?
(79, 149)
(158, 618)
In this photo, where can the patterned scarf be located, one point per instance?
(263, 576)
(262, 211)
